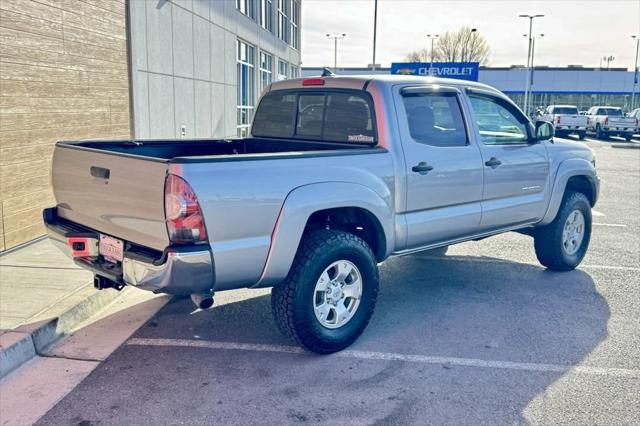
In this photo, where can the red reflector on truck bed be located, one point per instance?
(313, 82)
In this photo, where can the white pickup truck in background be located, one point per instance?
(566, 120)
(607, 121)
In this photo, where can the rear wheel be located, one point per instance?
(600, 134)
(562, 244)
(327, 299)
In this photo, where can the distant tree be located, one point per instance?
(464, 45)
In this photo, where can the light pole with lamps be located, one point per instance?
(532, 66)
(335, 38)
(635, 72)
(608, 60)
(465, 48)
(432, 37)
(526, 88)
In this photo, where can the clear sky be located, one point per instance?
(576, 32)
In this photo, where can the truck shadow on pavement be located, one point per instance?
(456, 307)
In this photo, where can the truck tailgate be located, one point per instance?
(626, 122)
(119, 195)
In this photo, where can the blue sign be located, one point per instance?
(459, 70)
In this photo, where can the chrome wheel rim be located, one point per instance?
(337, 294)
(573, 232)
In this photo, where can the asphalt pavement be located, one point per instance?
(483, 335)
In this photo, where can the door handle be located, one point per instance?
(493, 162)
(422, 168)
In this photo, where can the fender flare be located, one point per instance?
(298, 207)
(566, 170)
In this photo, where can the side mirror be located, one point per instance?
(544, 131)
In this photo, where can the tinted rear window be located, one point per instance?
(565, 110)
(332, 116)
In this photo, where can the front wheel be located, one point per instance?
(562, 244)
(582, 135)
(328, 298)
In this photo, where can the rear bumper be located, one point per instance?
(571, 128)
(180, 270)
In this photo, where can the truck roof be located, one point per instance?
(358, 81)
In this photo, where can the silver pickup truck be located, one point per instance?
(606, 121)
(339, 173)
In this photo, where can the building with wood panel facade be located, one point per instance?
(112, 69)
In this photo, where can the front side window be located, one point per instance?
(246, 85)
(499, 122)
(435, 119)
(331, 116)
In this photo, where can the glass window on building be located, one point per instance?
(247, 7)
(266, 14)
(294, 35)
(283, 20)
(266, 70)
(294, 72)
(283, 70)
(246, 86)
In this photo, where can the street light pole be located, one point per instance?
(527, 83)
(432, 37)
(375, 30)
(635, 72)
(465, 48)
(532, 68)
(335, 38)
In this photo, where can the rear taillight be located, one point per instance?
(606, 120)
(558, 120)
(185, 222)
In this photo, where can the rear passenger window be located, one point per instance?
(331, 116)
(435, 119)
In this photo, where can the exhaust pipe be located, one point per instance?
(202, 301)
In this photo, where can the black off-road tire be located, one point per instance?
(548, 239)
(292, 300)
(601, 134)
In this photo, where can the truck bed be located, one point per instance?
(208, 149)
(117, 187)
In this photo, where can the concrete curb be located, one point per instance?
(20, 345)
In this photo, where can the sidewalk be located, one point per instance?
(43, 295)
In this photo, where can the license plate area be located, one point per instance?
(112, 249)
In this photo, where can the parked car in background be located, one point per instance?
(339, 173)
(636, 114)
(566, 120)
(605, 121)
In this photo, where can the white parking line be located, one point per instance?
(388, 356)
(455, 258)
(614, 225)
(596, 213)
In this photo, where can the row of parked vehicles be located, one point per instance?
(601, 121)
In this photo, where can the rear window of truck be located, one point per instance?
(319, 115)
(565, 111)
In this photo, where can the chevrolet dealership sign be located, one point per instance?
(459, 70)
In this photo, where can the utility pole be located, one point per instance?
(635, 72)
(432, 37)
(527, 83)
(335, 38)
(375, 30)
(532, 68)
